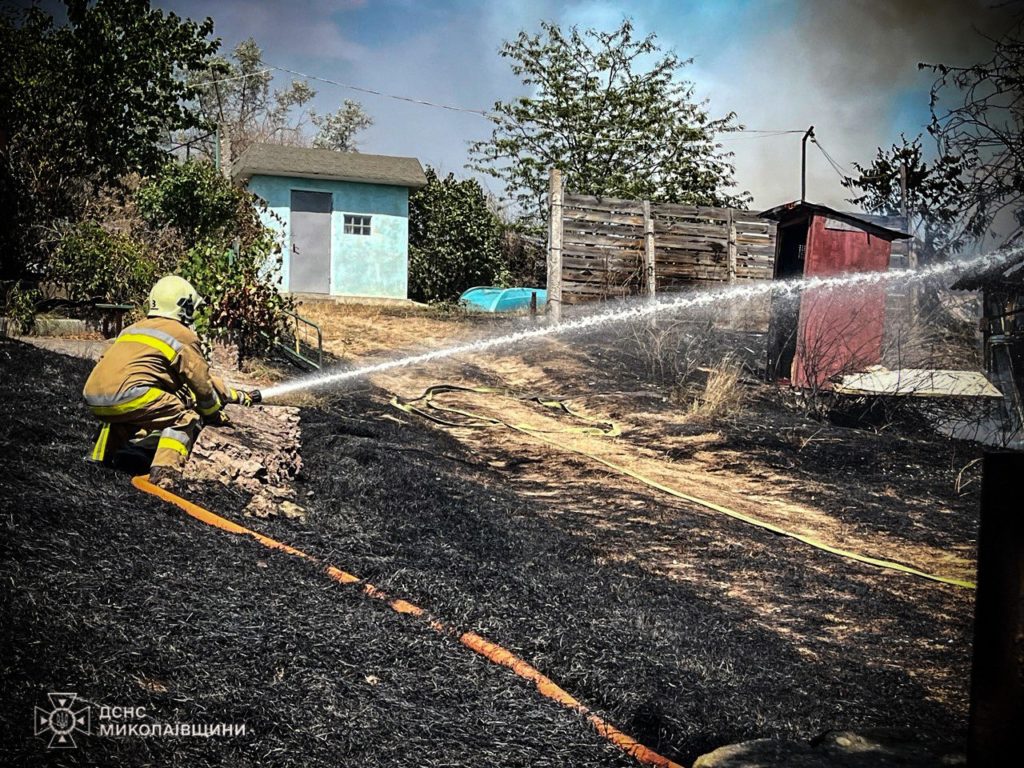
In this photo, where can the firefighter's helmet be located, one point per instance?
(174, 297)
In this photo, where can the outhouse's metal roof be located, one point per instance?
(328, 165)
(802, 208)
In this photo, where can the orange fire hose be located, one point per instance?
(480, 645)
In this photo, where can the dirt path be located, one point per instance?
(551, 368)
(895, 511)
(656, 441)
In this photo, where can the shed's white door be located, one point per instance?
(310, 267)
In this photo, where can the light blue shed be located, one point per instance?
(342, 217)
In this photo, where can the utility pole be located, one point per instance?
(915, 289)
(803, 163)
(903, 193)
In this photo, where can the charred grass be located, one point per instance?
(114, 596)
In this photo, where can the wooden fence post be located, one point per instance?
(554, 304)
(997, 673)
(731, 248)
(650, 286)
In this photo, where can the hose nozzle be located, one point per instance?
(256, 395)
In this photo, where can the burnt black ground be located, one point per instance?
(115, 596)
(112, 595)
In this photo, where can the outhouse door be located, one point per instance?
(310, 267)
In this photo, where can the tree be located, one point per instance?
(454, 239)
(985, 127)
(235, 96)
(83, 106)
(613, 125)
(338, 130)
(934, 191)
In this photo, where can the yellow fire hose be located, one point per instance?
(476, 643)
(425, 403)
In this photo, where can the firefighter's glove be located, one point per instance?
(218, 419)
(244, 399)
(187, 397)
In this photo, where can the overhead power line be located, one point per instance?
(409, 99)
(844, 175)
(257, 73)
(756, 132)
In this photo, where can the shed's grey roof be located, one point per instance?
(326, 164)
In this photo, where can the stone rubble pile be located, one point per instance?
(259, 454)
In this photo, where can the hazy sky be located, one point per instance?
(847, 67)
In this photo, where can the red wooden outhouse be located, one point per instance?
(819, 332)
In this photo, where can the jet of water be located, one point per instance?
(642, 309)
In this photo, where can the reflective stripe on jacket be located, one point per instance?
(155, 355)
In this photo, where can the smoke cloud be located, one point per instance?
(849, 69)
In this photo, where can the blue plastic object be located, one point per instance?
(492, 299)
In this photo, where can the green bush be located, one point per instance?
(231, 256)
(193, 198)
(91, 263)
(455, 239)
(19, 306)
(243, 304)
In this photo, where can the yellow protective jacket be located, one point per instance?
(154, 356)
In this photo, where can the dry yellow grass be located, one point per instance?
(723, 394)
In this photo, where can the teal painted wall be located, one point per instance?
(376, 265)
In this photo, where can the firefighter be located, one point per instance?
(155, 379)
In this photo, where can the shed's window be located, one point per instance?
(357, 225)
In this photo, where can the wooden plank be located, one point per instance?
(601, 257)
(578, 238)
(685, 244)
(662, 210)
(570, 268)
(580, 220)
(676, 258)
(712, 228)
(598, 290)
(603, 203)
(594, 228)
(590, 252)
(692, 272)
(600, 278)
(683, 258)
(677, 266)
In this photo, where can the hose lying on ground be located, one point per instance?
(480, 645)
(425, 404)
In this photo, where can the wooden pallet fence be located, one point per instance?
(602, 248)
(607, 247)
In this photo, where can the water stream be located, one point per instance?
(642, 308)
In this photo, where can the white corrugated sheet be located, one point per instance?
(917, 382)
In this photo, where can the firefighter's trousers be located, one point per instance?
(152, 411)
